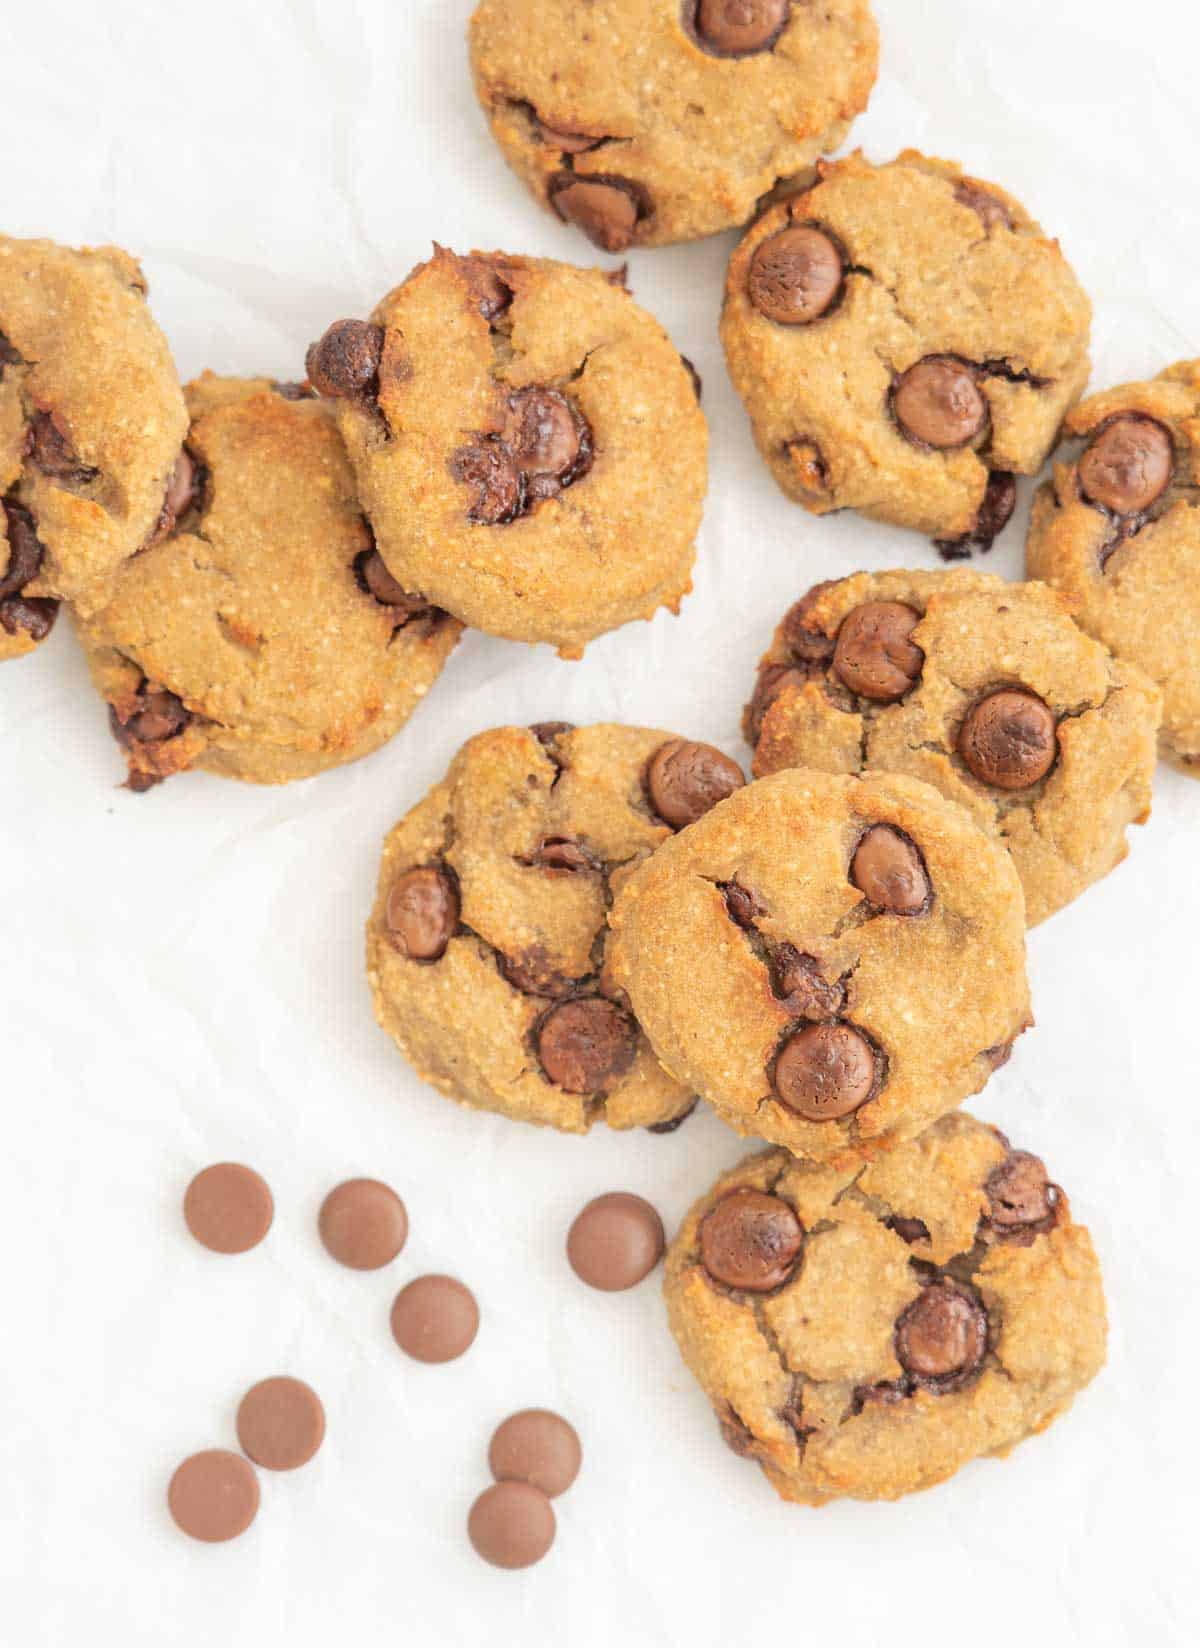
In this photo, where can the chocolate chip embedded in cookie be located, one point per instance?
(1117, 530)
(864, 1332)
(647, 123)
(827, 960)
(528, 445)
(986, 690)
(906, 341)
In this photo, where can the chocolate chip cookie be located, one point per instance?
(832, 962)
(643, 122)
(487, 947)
(984, 689)
(906, 340)
(262, 638)
(528, 445)
(864, 1333)
(91, 424)
(1118, 531)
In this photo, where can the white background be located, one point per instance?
(181, 974)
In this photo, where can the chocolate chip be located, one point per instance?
(675, 1122)
(825, 1071)
(697, 384)
(773, 680)
(290, 390)
(737, 1436)
(363, 1224)
(511, 1525)
(228, 1208)
(9, 356)
(908, 1230)
(874, 655)
(586, 1044)
(1023, 1201)
(796, 979)
(490, 467)
(182, 487)
(796, 275)
(988, 207)
(743, 905)
(25, 550)
(153, 716)
(538, 1447)
(435, 1319)
(1127, 465)
(281, 1423)
(685, 779)
(558, 855)
(607, 209)
(807, 643)
(548, 437)
(938, 403)
(615, 1242)
(33, 616)
(995, 512)
(941, 1338)
(376, 580)
(344, 362)
(739, 28)
(490, 294)
(533, 972)
(563, 138)
(53, 451)
(422, 912)
(888, 869)
(750, 1240)
(548, 733)
(214, 1496)
(1009, 739)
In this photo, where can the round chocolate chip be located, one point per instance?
(586, 1044)
(685, 779)
(1021, 1195)
(887, 868)
(615, 1242)
(228, 1208)
(875, 656)
(1009, 739)
(422, 913)
(740, 28)
(751, 1241)
(281, 1423)
(988, 207)
(511, 1525)
(25, 550)
(547, 437)
(1127, 465)
(490, 468)
(606, 209)
(938, 403)
(435, 1319)
(825, 1071)
(213, 1496)
(795, 276)
(941, 1337)
(344, 362)
(363, 1224)
(536, 1446)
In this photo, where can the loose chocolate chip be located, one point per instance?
(995, 512)
(807, 644)
(558, 855)
(742, 904)
(607, 209)
(751, 1241)
(548, 437)
(422, 912)
(228, 1208)
(373, 575)
(825, 1071)
(941, 1337)
(25, 550)
(534, 973)
(153, 717)
(586, 1044)
(615, 1242)
(874, 655)
(675, 1122)
(685, 779)
(1023, 1201)
(538, 1447)
(988, 207)
(1127, 465)
(363, 1224)
(888, 869)
(35, 616)
(1009, 739)
(563, 138)
(214, 1496)
(281, 1423)
(773, 680)
(938, 403)
(511, 1525)
(795, 276)
(908, 1230)
(344, 362)
(490, 467)
(796, 979)
(53, 451)
(740, 28)
(435, 1319)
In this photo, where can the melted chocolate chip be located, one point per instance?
(8, 355)
(742, 904)
(734, 1433)
(739, 28)
(549, 438)
(675, 1122)
(807, 644)
(938, 403)
(344, 362)
(609, 210)
(796, 980)
(874, 655)
(564, 138)
(825, 1071)
(153, 717)
(32, 615)
(586, 1044)
(422, 912)
(773, 680)
(995, 512)
(377, 581)
(697, 384)
(25, 550)
(908, 1230)
(53, 452)
(988, 207)
(888, 869)
(796, 276)
(941, 1338)
(490, 294)
(548, 733)
(559, 855)
(489, 467)
(750, 1241)
(1127, 465)
(1023, 1201)
(685, 779)
(1009, 739)
(533, 973)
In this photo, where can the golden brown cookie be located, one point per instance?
(986, 690)
(528, 445)
(1118, 531)
(487, 946)
(906, 339)
(832, 962)
(649, 121)
(263, 639)
(864, 1333)
(91, 422)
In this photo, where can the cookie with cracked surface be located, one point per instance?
(1117, 529)
(906, 340)
(528, 444)
(262, 639)
(487, 946)
(643, 122)
(864, 1333)
(832, 962)
(984, 689)
(91, 423)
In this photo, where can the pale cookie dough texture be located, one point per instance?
(262, 638)
(1118, 531)
(487, 947)
(832, 962)
(528, 444)
(906, 340)
(91, 423)
(649, 121)
(865, 1333)
(984, 689)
